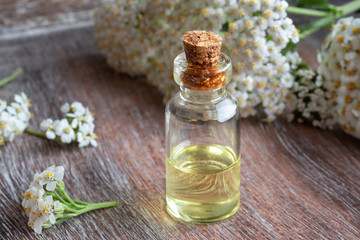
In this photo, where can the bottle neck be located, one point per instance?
(202, 96)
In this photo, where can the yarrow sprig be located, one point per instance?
(77, 126)
(46, 202)
(14, 117)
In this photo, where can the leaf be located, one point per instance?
(225, 27)
(312, 4)
(290, 47)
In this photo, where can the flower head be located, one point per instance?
(307, 99)
(47, 125)
(46, 201)
(77, 126)
(64, 130)
(339, 67)
(14, 117)
(50, 177)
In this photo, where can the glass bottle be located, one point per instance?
(202, 135)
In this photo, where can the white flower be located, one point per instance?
(307, 100)
(31, 197)
(65, 108)
(85, 117)
(50, 177)
(76, 109)
(14, 117)
(43, 213)
(22, 99)
(44, 208)
(86, 136)
(10, 126)
(2, 105)
(48, 206)
(47, 125)
(254, 34)
(77, 126)
(64, 130)
(339, 61)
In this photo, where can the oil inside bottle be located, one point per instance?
(202, 183)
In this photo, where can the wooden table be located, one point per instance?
(298, 182)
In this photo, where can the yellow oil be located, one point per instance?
(202, 183)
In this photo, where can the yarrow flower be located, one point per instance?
(339, 67)
(307, 100)
(255, 33)
(46, 202)
(14, 117)
(77, 126)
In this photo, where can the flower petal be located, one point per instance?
(52, 218)
(59, 173)
(51, 186)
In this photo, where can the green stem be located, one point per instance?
(307, 12)
(62, 219)
(350, 7)
(57, 196)
(70, 209)
(11, 77)
(67, 198)
(93, 206)
(35, 133)
(81, 202)
(328, 17)
(324, 22)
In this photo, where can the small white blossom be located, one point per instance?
(64, 130)
(50, 177)
(47, 125)
(86, 136)
(307, 100)
(65, 108)
(22, 99)
(14, 117)
(3, 105)
(77, 126)
(42, 212)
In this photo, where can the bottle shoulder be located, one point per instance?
(221, 110)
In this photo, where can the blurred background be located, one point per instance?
(31, 17)
(20, 18)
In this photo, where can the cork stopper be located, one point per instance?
(202, 47)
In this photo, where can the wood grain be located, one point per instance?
(29, 17)
(298, 182)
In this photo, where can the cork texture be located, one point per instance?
(202, 47)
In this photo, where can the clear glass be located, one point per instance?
(202, 151)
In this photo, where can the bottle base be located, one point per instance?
(197, 212)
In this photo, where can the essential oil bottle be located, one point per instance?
(202, 134)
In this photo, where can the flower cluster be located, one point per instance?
(14, 117)
(255, 33)
(339, 67)
(38, 203)
(78, 126)
(307, 99)
(46, 202)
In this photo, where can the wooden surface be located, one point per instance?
(31, 17)
(297, 182)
